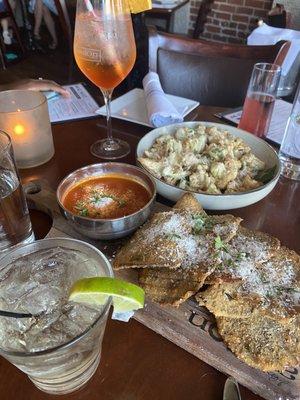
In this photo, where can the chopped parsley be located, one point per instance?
(98, 197)
(81, 208)
(173, 236)
(265, 175)
(220, 245)
(201, 223)
(241, 256)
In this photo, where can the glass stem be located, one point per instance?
(107, 94)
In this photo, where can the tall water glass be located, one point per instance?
(289, 153)
(15, 225)
(260, 99)
(60, 347)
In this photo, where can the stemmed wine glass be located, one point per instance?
(105, 51)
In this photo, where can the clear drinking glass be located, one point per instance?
(59, 349)
(105, 51)
(24, 116)
(15, 225)
(260, 99)
(289, 152)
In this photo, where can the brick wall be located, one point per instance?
(230, 20)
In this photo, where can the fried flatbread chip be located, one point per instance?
(154, 243)
(269, 287)
(171, 287)
(188, 202)
(228, 300)
(245, 249)
(222, 300)
(262, 342)
(176, 238)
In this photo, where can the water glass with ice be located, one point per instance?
(15, 225)
(289, 153)
(58, 347)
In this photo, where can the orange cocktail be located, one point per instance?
(105, 51)
(105, 58)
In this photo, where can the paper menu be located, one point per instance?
(281, 113)
(80, 105)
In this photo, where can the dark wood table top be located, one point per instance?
(138, 364)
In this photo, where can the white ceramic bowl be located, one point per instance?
(218, 201)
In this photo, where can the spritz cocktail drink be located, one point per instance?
(105, 58)
(105, 51)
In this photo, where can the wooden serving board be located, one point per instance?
(191, 327)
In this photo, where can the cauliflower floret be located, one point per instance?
(234, 186)
(155, 167)
(183, 184)
(212, 188)
(190, 160)
(173, 159)
(200, 130)
(249, 183)
(225, 172)
(195, 144)
(173, 174)
(180, 134)
(218, 170)
(251, 162)
(242, 185)
(240, 148)
(215, 135)
(200, 180)
(190, 132)
(204, 162)
(173, 146)
(216, 152)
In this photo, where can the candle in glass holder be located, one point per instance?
(24, 116)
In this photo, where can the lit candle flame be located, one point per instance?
(19, 129)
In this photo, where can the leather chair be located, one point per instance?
(212, 73)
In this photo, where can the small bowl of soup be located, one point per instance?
(106, 200)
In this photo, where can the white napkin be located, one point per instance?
(160, 110)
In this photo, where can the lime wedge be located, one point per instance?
(126, 296)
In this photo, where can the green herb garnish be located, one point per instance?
(81, 209)
(84, 212)
(201, 223)
(173, 236)
(265, 175)
(220, 245)
(240, 256)
(97, 197)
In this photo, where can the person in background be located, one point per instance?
(277, 16)
(5, 22)
(42, 10)
(41, 85)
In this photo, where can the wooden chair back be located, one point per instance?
(211, 73)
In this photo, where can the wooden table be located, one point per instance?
(138, 364)
(166, 13)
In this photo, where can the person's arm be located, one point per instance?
(35, 84)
